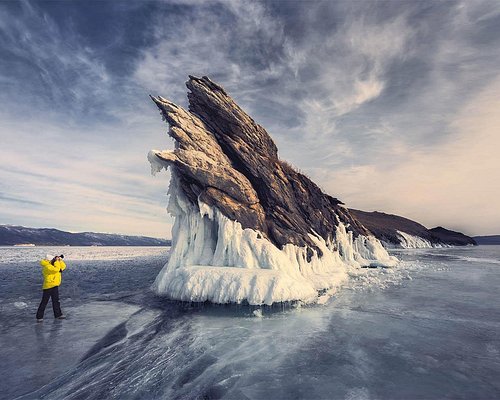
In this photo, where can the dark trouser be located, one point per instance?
(56, 306)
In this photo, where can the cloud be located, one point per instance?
(453, 184)
(304, 85)
(352, 92)
(431, 70)
(236, 42)
(77, 184)
(43, 64)
(7, 198)
(74, 135)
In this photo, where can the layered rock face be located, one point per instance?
(226, 175)
(230, 162)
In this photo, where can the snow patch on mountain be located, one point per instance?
(408, 241)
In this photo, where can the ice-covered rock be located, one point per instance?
(248, 226)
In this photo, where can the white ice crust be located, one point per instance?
(408, 241)
(215, 259)
(154, 161)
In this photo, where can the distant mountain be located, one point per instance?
(16, 235)
(491, 239)
(397, 231)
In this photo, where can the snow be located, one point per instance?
(416, 242)
(20, 305)
(235, 285)
(12, 254)
(258, 313)
(214, 258)
(154, 161)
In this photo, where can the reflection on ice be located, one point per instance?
(43, 351)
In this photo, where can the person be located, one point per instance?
(52, 277)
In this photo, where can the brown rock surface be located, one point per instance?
(227, 160)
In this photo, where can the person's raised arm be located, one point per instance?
(60, 265)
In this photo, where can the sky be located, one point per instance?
(388, 105)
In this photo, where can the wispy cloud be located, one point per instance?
(73, 146)
(63, 74)
(17, 200)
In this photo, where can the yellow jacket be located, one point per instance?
(52, 273)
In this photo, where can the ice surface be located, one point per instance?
(53, 346)
(213, 258)
(94, 287)
(431, 333)
(11, 254)
(154, 161)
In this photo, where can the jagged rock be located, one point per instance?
(227, 160)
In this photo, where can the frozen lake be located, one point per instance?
(428, 329)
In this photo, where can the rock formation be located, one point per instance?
(397, 231)
(230, 162)
(227, 177)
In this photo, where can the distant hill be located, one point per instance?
(491, 239)
(15, 235)
(387, 228)
(451, 237)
